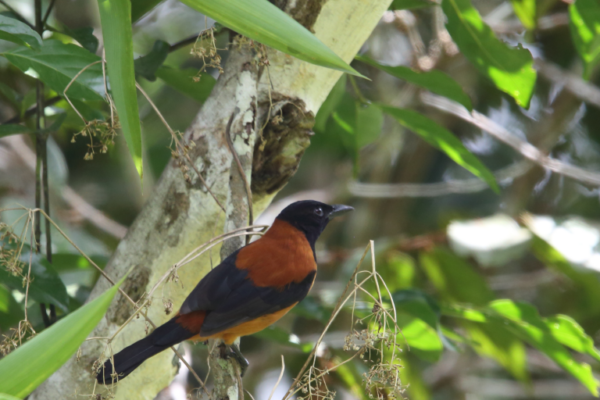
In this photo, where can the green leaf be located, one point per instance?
(10, 311)
(454, 278)
(585, 31)
(350, 375)
(4, 396)
(141, 7)
(418, 304)
(493, 340)
(435, 81)
(29, 365)
(15, 31)
(511, 69)
(369, 120)
(585, 287)
(410, 4)
(309, 308)
(147, 65)
(444, 140)
(330, 103)
(423, 340)
(525, 10)
(527, 324)
(45, 285)
(57, 63)
(85, 37)
(568, 332)
(262, 21)
(183, 81)
(115, 16)
(13, 129)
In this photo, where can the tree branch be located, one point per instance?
(527, 150)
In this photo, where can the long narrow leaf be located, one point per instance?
(32, 363)
(511, 69)
(585, 31)
(444, 140)
(115, 16)
(435, 81)
(262, 21)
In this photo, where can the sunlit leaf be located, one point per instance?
(262, 21)
(493, 340)
(115, 16)
(568, 332)
(454, 278)
(15, 31)
(442, 139)
(435, 81)
(184, 81)
(511, 69)
(422, 339)
(147, 65)
(4, 396)
(528, 325)
(584, 293)
(410, 4)
(525, 10)
(585, 31)
(30, 364)
(57, 63)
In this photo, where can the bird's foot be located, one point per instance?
(236, 354)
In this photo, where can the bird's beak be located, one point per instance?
(339, 209)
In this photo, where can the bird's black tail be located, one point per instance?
(132, 356)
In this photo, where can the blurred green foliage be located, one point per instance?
(454, 312)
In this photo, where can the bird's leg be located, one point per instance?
(237, 355)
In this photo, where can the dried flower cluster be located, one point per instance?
(101, 134)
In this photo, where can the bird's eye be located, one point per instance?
(319, 211)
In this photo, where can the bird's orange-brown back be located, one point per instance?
(282, 256)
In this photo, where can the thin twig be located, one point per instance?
(50, 7)
(19, 16)
(241, 170)
(278, 379)
(32, 110)
(580, 88)
(335, 312)
(121, 291)
(180, 147)
(69, 85)
(527, 150)
(473, 185)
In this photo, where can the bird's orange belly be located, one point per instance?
(247, 328)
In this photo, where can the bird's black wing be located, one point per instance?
(231, 298)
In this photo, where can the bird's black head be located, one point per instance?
(311, 217)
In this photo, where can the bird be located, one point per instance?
(248, 291)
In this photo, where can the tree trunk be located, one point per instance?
(179, 215)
